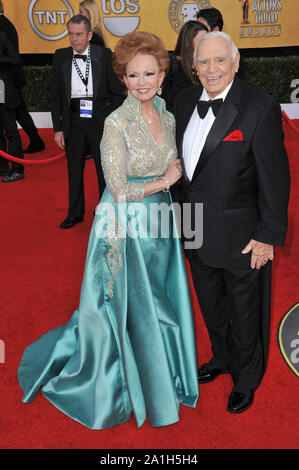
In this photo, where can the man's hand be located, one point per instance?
(261, 253)
(59, 139)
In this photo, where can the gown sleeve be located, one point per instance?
(114, 163)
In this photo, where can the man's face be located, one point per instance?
(204, 21)
(215, 65)
(79, 37)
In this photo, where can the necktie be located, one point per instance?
(79, 56)
(203, 107)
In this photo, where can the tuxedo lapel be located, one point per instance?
(188, 110)
(96, 65)
(67, 73)
(96, 61)
(227, 114)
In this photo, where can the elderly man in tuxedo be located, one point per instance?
(85, 91)
(230, 141)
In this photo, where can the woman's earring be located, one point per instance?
(159, 92)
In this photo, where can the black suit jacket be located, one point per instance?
(7, 27)
(107, 91)
(9, 59)
(243, 184)
(17, 72)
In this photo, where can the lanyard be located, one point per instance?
(84, 80)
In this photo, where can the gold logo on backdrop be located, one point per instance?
(288, 338)
(49, 24)
(260, 18)
(181, 11)
(122, 17)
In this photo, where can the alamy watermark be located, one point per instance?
(156, 220)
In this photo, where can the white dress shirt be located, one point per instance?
(196, 133)
(78, 87)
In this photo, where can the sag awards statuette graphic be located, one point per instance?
(116, 24)
(49, 24)
(288, 338)
(181, 11)
(260, 18)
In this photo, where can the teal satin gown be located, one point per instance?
(129, 347)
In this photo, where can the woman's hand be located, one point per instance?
(173, 172)
(172, 175)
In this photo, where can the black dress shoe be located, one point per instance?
(32, 148)
(239, 402)
(205, 374)
(69, 222)
(14, 175)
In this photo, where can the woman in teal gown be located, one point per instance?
(130, 346)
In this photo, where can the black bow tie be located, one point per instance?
(79, 56)
(203, 107)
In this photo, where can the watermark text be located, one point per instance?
(157, 220)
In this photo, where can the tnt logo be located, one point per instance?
(2, 351)
(49, 24)
(124, 24)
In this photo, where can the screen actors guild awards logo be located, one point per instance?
(181, 11)
(245, 8)
(288, 338)
(260, 18)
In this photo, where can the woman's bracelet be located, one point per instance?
(167, 184)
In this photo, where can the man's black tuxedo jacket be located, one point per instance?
(16, 71)
(9, 59)
(7, 27)
(244, 183)
(107, 91)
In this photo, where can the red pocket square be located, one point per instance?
(235, 136)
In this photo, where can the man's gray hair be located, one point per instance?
(77, 19)
(216, 34)
(1, 8)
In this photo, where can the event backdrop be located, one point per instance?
(41, 24)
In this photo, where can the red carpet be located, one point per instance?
(42, 269)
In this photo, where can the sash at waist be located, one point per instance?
(142, 179)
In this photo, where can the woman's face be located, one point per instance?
(84, 12)
(143, 76)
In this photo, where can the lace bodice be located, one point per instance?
(129, 149)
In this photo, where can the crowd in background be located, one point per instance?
(14, 110)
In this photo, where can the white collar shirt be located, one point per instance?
(196, 133)
(78, 87)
